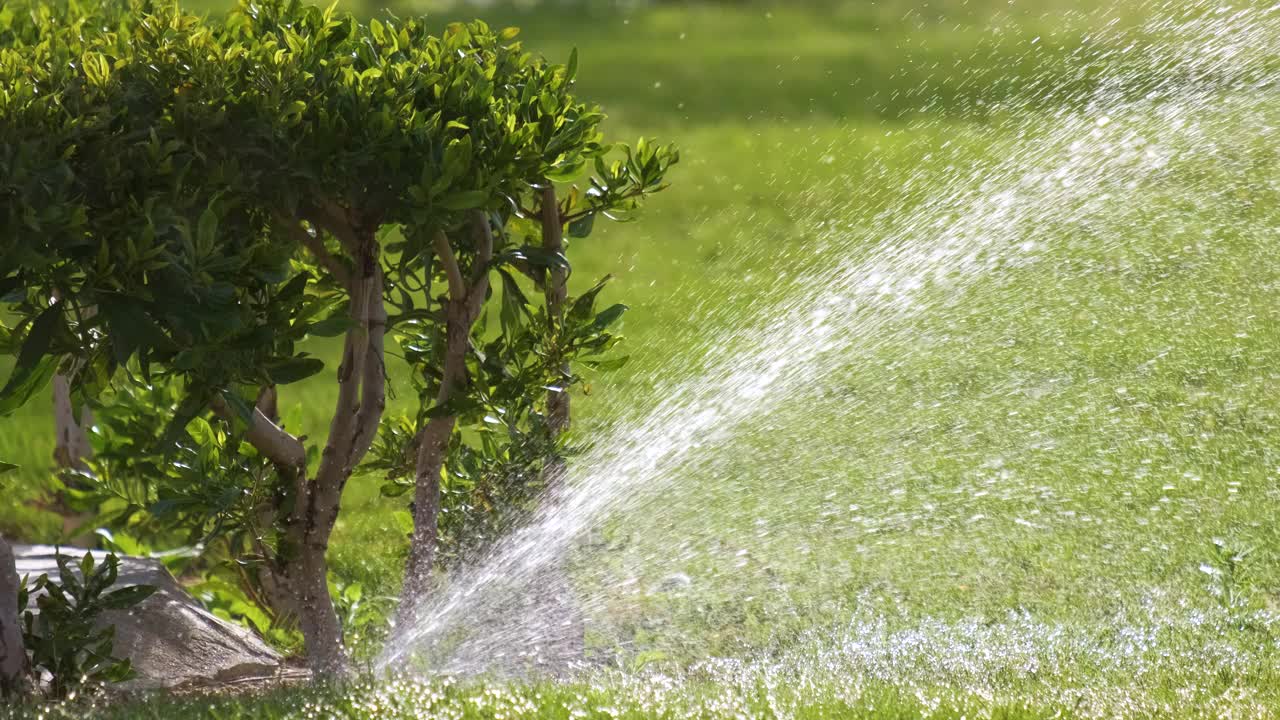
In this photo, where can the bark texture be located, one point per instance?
(307, 508)
(557, 292)
(72, 443)
(361, 401)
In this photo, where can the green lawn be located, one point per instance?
(995, 495)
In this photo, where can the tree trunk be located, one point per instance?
(13, 654)
(568, 645)
(557, 293)
(461, 311)
(321, 629)
(313, 503)
(72, 440)
(433, 447)
(266, 580)
(72, 445)
(69, 453)
(361, 401)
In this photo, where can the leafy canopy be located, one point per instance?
(184, 198)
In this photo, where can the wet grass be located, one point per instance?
(1007, 509)
(600, 700)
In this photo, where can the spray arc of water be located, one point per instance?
(1084, 163)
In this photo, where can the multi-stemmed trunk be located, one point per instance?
(13, 654)
(308, 509)
(462, 309)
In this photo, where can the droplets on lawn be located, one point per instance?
(1065, 194)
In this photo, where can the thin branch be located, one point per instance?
(373, 388)
(336, 220)
(480, 273)
(566, 219)
(457, 286)
(276, 444)
(314, 244)
(333, 460)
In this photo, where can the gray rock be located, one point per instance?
(170, 638)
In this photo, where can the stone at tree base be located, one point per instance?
(172, 641)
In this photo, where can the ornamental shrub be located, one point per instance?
(184, 201)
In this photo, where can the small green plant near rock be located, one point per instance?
(69, 649)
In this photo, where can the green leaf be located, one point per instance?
(538, 257)
(453, 407)
(6, 467)
(607, 365)
(332, 326)
(25, 383)
(585, 304)
(191, 406)
(395, 489)
(581, 227)
(86, 566)
(572, 71)
(207, 231)
(464, 200)
(294, 369)
(126, 597)
(457, 157)
(608, 316)
(119, 671)
(67, 574)
(131, 329)
(202, 433)
(242, 409)
(39, 337)
(291, 114)
(515, 306)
